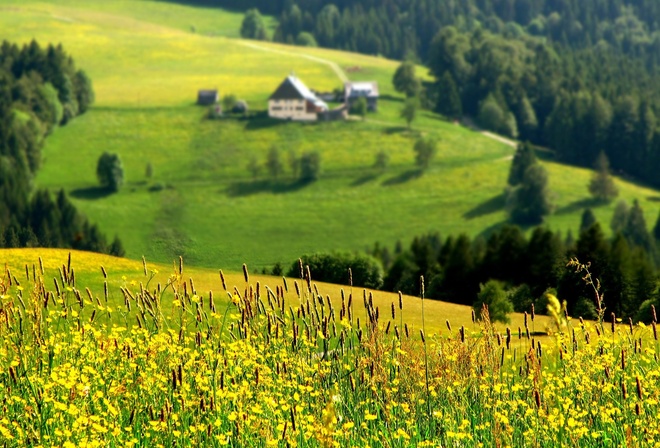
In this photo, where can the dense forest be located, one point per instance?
(40, 89)
(529, 267)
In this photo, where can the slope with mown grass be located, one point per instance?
(202, 202)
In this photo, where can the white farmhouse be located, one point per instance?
(294, 101)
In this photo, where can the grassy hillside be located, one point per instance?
(130, 273)
(147, 65)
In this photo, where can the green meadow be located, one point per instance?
(147, 60)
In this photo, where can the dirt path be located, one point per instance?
(500, 139)
(333, 65)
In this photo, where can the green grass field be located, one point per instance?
(147, 65)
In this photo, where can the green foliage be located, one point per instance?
(494, 297)
(228, 103)
(491, 116)
(149, 171)
(602, 185)
(254, 167)
(381, 161)
(306, 39)
(366, 271)
(635, 229)
(116, 248)
(253, 26)
(84, 91)
(409, 110)
(521, 298)
(522, 159)
(359, 107)
(405, 81)
(588, 219)
(310, 166)
(110, 171)
(619, 217)
(274, 164)
(645, 312)
(530, 200)
(449, 100)
(425, 149)
(55, 107)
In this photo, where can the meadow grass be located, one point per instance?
(279, 363)
(147, 65)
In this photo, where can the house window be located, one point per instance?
(276, 108)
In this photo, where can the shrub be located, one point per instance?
(333, 268)
(492, 295)
(310, 166)
(110, 171)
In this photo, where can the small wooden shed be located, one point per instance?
(207, 97)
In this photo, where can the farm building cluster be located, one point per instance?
(293, 100)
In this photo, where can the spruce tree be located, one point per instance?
(588, 220)
(635, 229)
(619, 217)
(602, 185)
(522, 159)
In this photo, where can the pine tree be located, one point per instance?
(602, 185)
(620, 215)
(588, 220)
(635, 229)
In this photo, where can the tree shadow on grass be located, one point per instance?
(91, 193)
(492, 205)
(248, 188)
(261, 121)
(404, 177)
(397, 99)
(579, 205)
(366, 178)
(394, 130)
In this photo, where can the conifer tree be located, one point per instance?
(602, 185)
(635, 229)
(522, 159)
(449, 101)
(619, 217)
(588, 219)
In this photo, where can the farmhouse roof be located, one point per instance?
(293, 89)
(367, 89)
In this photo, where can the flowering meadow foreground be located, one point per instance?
(162, 365)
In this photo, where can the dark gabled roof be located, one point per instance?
(207, 93)
(288, 90)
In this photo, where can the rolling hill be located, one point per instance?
(147, 60)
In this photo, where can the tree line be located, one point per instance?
(40, 89)
(456, 267)
(398, 28)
